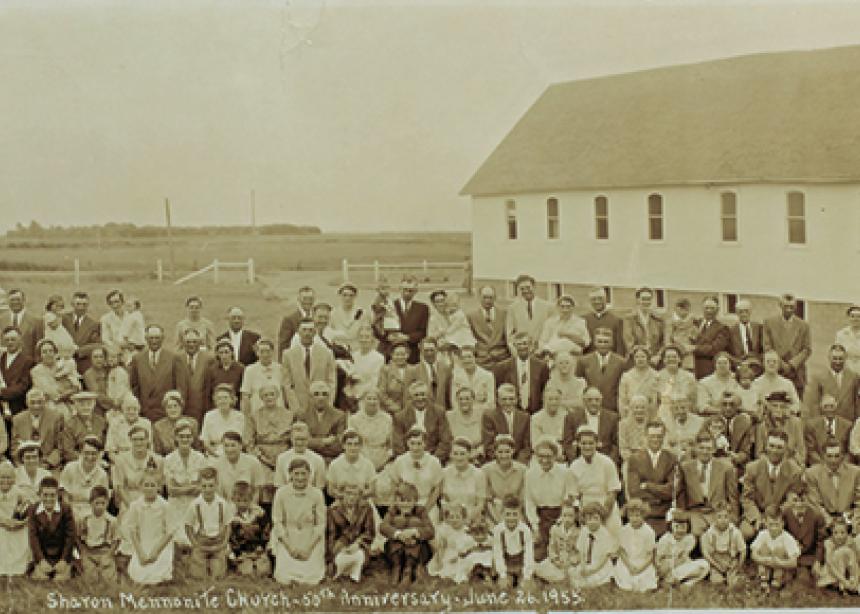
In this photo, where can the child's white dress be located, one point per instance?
(15, 545)
(151, 520)
(447, 561)
(639, 544)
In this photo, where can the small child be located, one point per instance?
(52, 534)
(805, 524)
(724, 548)
(409, 531)
(350, 532)
(716, 426)
(66, 346)
(750, 401)
(14, 538)
(774, 550)
(683, 332)
(596, 548)
(674, 563)
(634, 570)
(151, 533)
(562, 555)
(457, 552)
(458, 333)
(840, 568)
(117, 440)
(513, 546)
(118, 384)
(98, 539)
(207, 525)
(249, 534)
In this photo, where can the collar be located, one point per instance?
(771, 466)
(41, 508)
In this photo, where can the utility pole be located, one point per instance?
(170, 238)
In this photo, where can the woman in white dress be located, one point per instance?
(298, 529)
(57, 378)
(596, 478)
(849, 338)
(564, 379)
(265, 371)
(641, 379)
(14, 538)
(672, 380)
(376, 429)
(113, 323)
(148, 526)
(127, 475)
(29, 473)
(366, 363)
(463, 483)
(438, 322)
(549, 421)
(465, 422)
(467, 374)
(346, 319)
(218, 421)
(182, 475)
(457, 332)
(565, 331)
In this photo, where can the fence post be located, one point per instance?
(345, 270)
(251, 270)
(376, 271)
(159, 270)
(215, 270)
(77, 272)
(424, 266)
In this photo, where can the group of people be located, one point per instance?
(504, 444)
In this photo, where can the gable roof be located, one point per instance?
(773, 117)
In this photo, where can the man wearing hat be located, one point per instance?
(241, 340)
(84, 423)
(601, 317)
(42, 424)
(789, 336)
(776, 417)
(745, 336)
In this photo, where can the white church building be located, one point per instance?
(739, 177)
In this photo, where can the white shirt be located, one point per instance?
(523, 378)
(706, 483)
(235, 341)
(592, 420)
(419, 417)
(153, 357)
(10, 358)
(655, 456)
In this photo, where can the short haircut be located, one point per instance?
(704, 437)
(208, 473)
(232, 435)
(172, 395)
(837, 346)
(772, 512)
(223, 344)
(779, 434)
(93, 441)
(524, 278)
(642, 290)
(427, 340)
(721, 506)
(80, 294)
(48, 482)
(112, 294)
(416, 431)
(797, 487)
(193, 299)
(242, 490)
(511, 502)
(98, 492)
(462, 442)
(636, 505)
(135, 429)
(45, 342)
(306, 321)
(11, 329)
(832, 442)
(655, 424)
(298, 463)
(603, 332)
(349, 434)
(592, 509)
(640, 348)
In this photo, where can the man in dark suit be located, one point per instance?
(435, 375)
(526, 373)
(290, 323)
(242, 340)
(601, 317)
(507, 419)
(15, 367)
(789, 337)
(745, 336)
(85, 331)
(603, 368)
(838, 381)
(819, 429)
(32, 327)
(601, 420)
(51, 528)
(488, 327)
(650, 476)
(429, 416)
(739, 430)
(325, 423)
(41, 424)
(196, 362)
(153, 371)
(713, 338)
(705, 481)
(414, 316)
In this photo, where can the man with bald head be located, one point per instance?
(713, 338)
(745, 337)
(241, 340)
(601, 317)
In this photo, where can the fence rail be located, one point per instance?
(216, 266)
(377, 267)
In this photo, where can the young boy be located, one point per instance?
(682, 331)
(724, 548)
(807, 526)
(207, 524)
(513, 546)
(774, 550)
(634, 570)
(840, 568)
(52, 534)
(409, 531)
(673, 554)
(562, 555)
(596, 547)
(98, 539)
(249, 534)
(350, 532)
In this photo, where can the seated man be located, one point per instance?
(703, 482)
(834, 484)
(430, 417)
(507, 419)
(828, 425)
(325, 423)
(39, 423)
(602, 421)
(650, 476)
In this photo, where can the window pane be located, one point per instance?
(608, 292)
(730, 229)
(732, 303)
(729, 203)
(800, 309)
(796, 231)
(655, 204)
(660, 298)
(795, 204)
(601, 206)
(655, 226)
(552, 229)
(511, 207)
(602, 228)
(552, 207)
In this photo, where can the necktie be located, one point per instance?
(748, 340)
(524, 389)
(590, 548)
(433, 379)
(831, 426)
(509, 418)
(489, 317)
(835, 477)
(417, 465)
(702, 473)
(191, 362)
(704, 325)
(152, 358)
(15, 319)
(77, 323)
(308, 362)
(602, 360)
(529, 307)
(839, 379)
(773, 474)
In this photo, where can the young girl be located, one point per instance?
(118, 385)
(840, 567)
(66, 346)
(409, 531)
(249, 534)
(724, 548)
(681, 330)
(14, 539)
(596, 547)
(674, 564)
(350, 532)
(634, 570)
(456, 552)
(774, 550)
(151, 534)
(562, 555)
(117, 440)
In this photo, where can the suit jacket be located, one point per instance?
(413, 324)
(491, 341)
(790, 339)
(606, 380)
(824, 496)
(150, 382)
(215, 374)
(436, 426)
(17, 378)
(816, 433)
(810, 534)
(75, 431)
(653, 336)
(296, 381)
(607, 433)
(758, 489)
(50, 433)
(710, 342)
(331, 422)
(418, 373)
(847, 395)
(247, 356)
(606, 320)
(196, 403)
(736, 345)
(289, 326)
(87, 338)
(32, 330)
(660, 480)
(518, 320)
(494, 423)
(506, 372)
(740, 436)
(51, 538)
(342, 532)
(723, 486)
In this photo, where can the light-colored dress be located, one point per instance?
(77, 485)
(116, 440)
(15, 545)
(376, 433)
(544, 425)
(245, 468)
(554, 326)
(711, 390)
(182, 472)
(571, 387)
(669, 385)
(345, 324)
(114, 329)
(268, 434)
(458, 332)
(152, 522)
(481, 382)
(365, 369)
(851, 340)
(299, 518)
(639, 545)
(215, 425)
(595, 480)
(635, 382)
(258, 375)
(127, 475)
(468, 488)
(317, 477)
(341, 472)
(456, 555)
(28, 487)
(55, 383)
(468, 427)
(425, 474)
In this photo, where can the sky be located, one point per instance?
(353, 115)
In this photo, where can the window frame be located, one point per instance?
(598, 218)
(511, 217)
(724, 218)
(789, 218)
(550, 219)
(651, 217)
